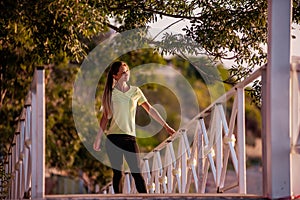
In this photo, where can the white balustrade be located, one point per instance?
(180, 164)
(210, 148)
(26, 153)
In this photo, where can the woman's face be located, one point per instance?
(123, 73)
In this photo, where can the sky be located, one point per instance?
(296, 42)
(161, 24)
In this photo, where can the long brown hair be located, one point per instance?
(106, 98)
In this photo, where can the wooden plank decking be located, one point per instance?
(154, 197)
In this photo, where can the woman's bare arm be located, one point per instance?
(155, 115)
(103, 124)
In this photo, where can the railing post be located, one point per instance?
(295, 124)
(182, 153)
(264, 127)
(175, 171)
(38, 135)
(27, 154)
(169, 162)
(9, 170)
(200, 155)
(16, 161)
(127, 184)
(111, 189)
(277, 135)
(241, 140)
(148, 174)
(219, 145)
(13, 169)
(22, 146)
(157, 170)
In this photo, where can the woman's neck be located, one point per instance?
(122, 86)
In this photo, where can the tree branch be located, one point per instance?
(166, 29)
(197, 67)
(157, 12)
(171, 15)
(112, 27)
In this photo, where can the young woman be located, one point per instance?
(120, 101)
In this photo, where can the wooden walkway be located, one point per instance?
(154, 196)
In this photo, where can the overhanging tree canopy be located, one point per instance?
(41, 32)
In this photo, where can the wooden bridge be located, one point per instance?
(201, 144)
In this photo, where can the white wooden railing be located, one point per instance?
(25, 161)
(180, 164)
(206, 141)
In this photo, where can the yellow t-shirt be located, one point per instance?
(124, 106)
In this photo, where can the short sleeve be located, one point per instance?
(142, 97)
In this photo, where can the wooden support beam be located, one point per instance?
(276, 133)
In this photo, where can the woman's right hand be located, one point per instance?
(97, 143)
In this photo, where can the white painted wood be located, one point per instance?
(169, 179)
(155, 171)
(241, 140)
(192, 161)
(160, 169)
(159, 163)
(295, 105)
(17, 165)
(229, 146)
(133, 189)
(208, 151)
(27, 169)
(176, 170)
(38, 135)
(111, 190)
(148, 171)
(126, 186)
(10, 158)
(232, 136)
(41, 127)
(171, 149)
(277, 135)
(219, 145)
(13, 170)
(183, 162)
(200, 155)
(223, 119)
(97, 188)
(22, 147)
(169, 161)
(34, 150)
(295, 124)
(204, 181)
